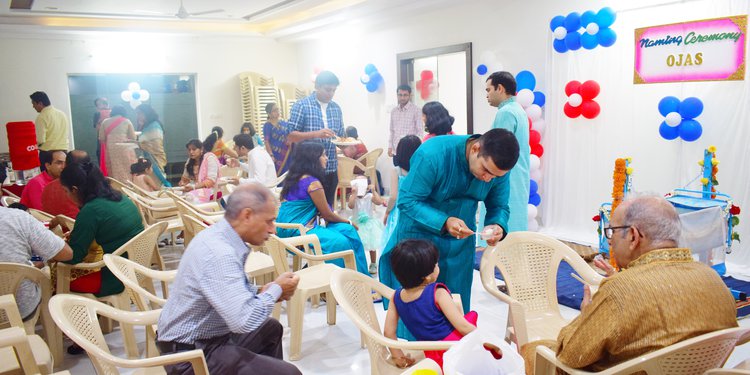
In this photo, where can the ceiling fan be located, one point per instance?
(182, 13)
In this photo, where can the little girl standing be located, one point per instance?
(140, 171)
(370, 230)
(426, 307)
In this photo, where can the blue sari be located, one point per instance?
(334, 237)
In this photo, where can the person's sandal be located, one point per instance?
(373, 269)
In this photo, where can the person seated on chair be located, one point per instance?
(259, 166)
(211, 304)
(356, 151)
(22, 237)
(661, 297)
(54, 162)
(54, 200)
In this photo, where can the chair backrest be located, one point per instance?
(141, 191)
(193, 226)
(133, 274)
(66, 221)
(277, 250)
(116, 184)
(11, 276)
(529, 263)
(227, 171)
(346, 169)
(7, 200)
(144, 246)
(15, 337)
(40, 215)
(146, 216)
(370, 159)
(10, 193)
(278, 181)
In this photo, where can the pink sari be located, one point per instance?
(103, 144)
(208, 174)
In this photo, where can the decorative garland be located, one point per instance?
(620, 181)
(710, 182)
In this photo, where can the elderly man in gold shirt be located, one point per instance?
(662, 296)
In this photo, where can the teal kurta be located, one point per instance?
(511, 116)
(439, 185)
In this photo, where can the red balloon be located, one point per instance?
(590, 109)
(571, 111)
(534, 137)
(572, 87)
(427, 75)
(530, 122)
(537, 149)
(589, 90)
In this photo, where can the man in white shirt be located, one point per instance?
(259, 166)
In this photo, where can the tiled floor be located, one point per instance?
(336, 349)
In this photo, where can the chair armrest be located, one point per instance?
(195, 357)
(17, 338)
(8, 304)
(138, 318)
(301, 228)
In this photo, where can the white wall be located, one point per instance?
(42, 62)
(579, 155)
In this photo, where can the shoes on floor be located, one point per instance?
(74, 349)
(373, 269)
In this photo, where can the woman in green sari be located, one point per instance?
(303, 201)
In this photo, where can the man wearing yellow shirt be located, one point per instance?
(52, 127)
(661, 297)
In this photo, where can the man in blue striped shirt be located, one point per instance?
(213, 307)
(319, 117)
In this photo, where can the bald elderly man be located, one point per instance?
(211, 304)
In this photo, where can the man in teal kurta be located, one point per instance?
(438, 202)
(501, 89)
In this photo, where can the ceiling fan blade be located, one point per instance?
(207, 12)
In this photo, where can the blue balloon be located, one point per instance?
(533, 188)
(606, 37)
(556, 22)
(539, 98)
(535, 199)
(691, 108)
(589, 41)
(668, 132)
(605, 17)
(587, 17)
(370, 68)
(559, 46)
(573, 41)
(372, 86)
(690, 130)
(572, 22)
(136, 95)
(481, 69)
(525, 80)
(668, 104)
(376, 77)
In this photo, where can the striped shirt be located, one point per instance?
(405, 121)
(306, 116)
(211, 296)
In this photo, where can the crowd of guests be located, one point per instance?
(426, 237)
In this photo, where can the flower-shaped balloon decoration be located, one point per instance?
(597, 31)
(581, 99)
(135, 95)
(679, 118)
(372, 78)
(427, 84)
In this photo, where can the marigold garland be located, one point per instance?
(619, 187)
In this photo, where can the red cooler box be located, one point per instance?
(22, 144)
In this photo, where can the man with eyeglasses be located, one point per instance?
(661, 297)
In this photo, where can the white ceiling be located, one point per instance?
(281, 19)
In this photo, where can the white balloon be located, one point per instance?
(673, 119)
(560, 32)
(525, 97)
(536, 175)
(135, 103)
(532, 211)
(575, 100)
(592, 28)
(126, 96)
(533, 225)
(534, 162)
(134, 86)
(364, 78)
(539, 125)
(144, 95)
(534, 111)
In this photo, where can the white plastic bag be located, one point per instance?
(469, 356)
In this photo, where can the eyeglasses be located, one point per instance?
(609, 231)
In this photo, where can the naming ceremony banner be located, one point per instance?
(707, 50)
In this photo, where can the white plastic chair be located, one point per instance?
(76, 316)
(370, 160)
(152, 214)
(7, 200)
(313, 280)
(529, 263)
(353, 293)
(20, 350)
(689, 357)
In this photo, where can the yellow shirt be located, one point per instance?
(52, 129)
(663, 297)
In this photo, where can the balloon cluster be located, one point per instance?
(532, 102)
(581, 99)
(372, 78)
(679, 118)
(427, 84)
(488, 63)
(134, 95)
(597, 31)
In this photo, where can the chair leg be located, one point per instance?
(295, 309)
(331, 308)
(128, 335)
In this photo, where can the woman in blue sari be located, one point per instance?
(303, 201)
(275, 132)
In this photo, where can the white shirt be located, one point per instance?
(259, 167)
(323, 108)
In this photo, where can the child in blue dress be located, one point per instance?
(426, 307)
